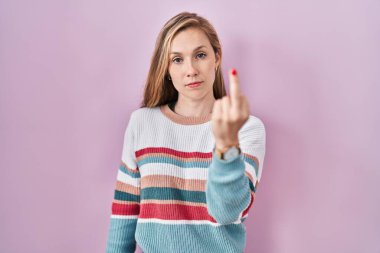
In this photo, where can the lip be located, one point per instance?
(194, 83)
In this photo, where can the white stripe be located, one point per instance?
(173, 170)
(251, 170)
(184, 173)
(125, 178)
(183, 222)
(116, 216)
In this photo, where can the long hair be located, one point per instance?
(159, 90)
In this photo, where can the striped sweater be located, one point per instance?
(173, 194)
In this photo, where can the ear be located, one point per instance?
(217, 59)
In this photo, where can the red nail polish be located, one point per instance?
(234, 72)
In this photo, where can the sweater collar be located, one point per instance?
(184, 120)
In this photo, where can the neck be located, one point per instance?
(193, 108)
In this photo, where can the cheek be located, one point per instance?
(174, 71)
(210, 65)
(210, 68)
(176, 80)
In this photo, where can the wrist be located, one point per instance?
(223, 146)
(227, 152)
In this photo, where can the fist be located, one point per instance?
(229, 114)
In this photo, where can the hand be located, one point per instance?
(229, 114)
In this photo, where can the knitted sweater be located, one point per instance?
(173, 194)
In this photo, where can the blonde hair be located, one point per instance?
(159, 90)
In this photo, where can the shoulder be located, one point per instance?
(253, 131)
(143, 113)
(253, 124)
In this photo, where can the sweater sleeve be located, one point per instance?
(126, 202)
(231, 185)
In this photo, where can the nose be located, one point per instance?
(191, 69)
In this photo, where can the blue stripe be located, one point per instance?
(170, 160)
(164, 193)
(121, 235)
(200, 238)
(129, 173)
(119, 195)
(251, 186)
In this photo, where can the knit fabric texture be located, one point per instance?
(173, 194)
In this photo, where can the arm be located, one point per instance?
(231, 186)
(126, 202)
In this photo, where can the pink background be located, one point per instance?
(71, 72)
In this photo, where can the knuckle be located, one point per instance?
(235, 117)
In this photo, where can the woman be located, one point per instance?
(192, 156)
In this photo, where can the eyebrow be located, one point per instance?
(197, 48)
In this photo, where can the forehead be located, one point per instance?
(189, 39)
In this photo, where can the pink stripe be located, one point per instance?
(174, 212)
(125, 209)
(173, 152)
(250, 204)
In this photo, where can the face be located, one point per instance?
(192, 59)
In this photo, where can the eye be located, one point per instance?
(175, 60)
(202, 55)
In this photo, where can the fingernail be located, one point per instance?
(234, 72)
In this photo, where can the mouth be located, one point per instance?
(194, 84)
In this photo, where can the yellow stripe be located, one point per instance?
(173, 182)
